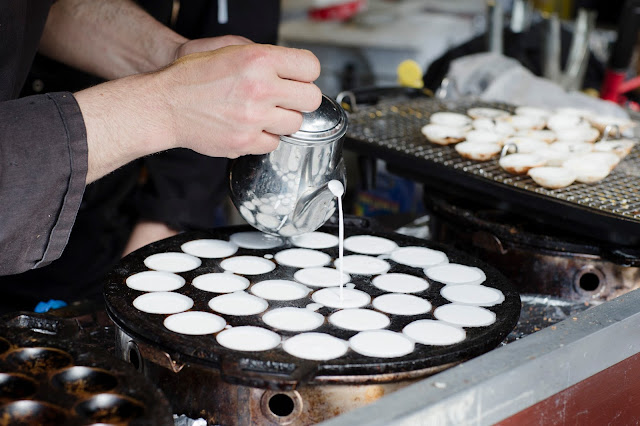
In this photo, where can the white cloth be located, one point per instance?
(492, 77)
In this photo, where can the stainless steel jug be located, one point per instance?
(285, 192)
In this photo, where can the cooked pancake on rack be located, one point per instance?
(492, 113)
(620, 147)
(520, 164)
(478, 151)
(451, 119)
(443, 135)
(588, 170)
(552, 177)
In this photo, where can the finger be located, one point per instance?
(297, 64)
(280, 121)
(264, 143)
(297, 96)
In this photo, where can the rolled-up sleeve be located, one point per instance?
(43, 168)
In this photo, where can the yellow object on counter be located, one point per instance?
(410, 74)
(564, 8)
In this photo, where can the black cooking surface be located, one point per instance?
(50, 375)
(608, 210)
(276, 367)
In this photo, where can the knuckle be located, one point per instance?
(257, 54)
(255, 90)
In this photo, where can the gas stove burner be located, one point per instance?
(329, 342)
(49, 377)
(536, 257)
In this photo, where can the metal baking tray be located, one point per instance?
(51, 375)
(608, 211)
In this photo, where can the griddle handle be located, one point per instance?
(373, 95)
(624, 256)
(351, 221)
(627, 33)
(248, 373)
(45, 322)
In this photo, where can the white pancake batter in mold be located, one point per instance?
(238, 303)
(436, 333)
(369, 244)
(293, 319)
(248, 338)
(256, 240)
(302, 258)
(453, 273)
(381, 344)
(155, 281)
(470, 294)
(315, 346)
(320, 277)
(315, 240)
(401, 304)
(162, 302)
(465, 315)
(351, 298)
(172, 262)
(359, 264)
(210, 249)
(220, 282)
(195, 323)
(247, 265)
(419, 257)
(280, 290)
(400, 283)
(359, 319)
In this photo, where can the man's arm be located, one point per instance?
(116, 38)
(225, 103)
(108, 38)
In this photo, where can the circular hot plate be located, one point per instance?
(276, 365)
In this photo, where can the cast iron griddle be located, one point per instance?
(390, 130)
(275, 367)
(49, 376)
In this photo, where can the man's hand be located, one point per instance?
(228, 102)
(242, 97)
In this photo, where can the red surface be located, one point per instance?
(611, 397)
(338, 12)
(611, 85)
(630, 84)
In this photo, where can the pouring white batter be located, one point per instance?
(337, 189)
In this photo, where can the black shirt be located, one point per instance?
(43, 150)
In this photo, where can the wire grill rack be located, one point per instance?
(391, 130)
